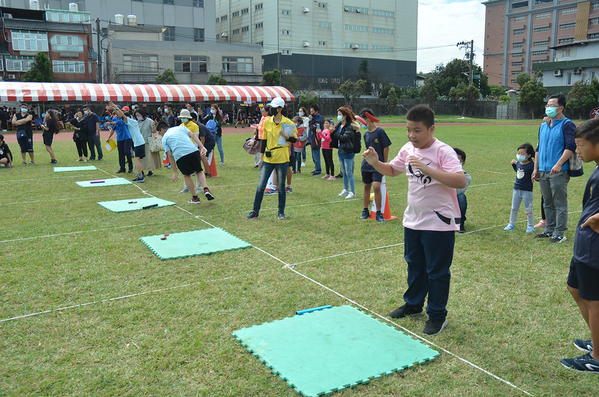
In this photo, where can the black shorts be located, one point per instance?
(368, 177)
(26, 144)
(48, 138)
(585, 279)
(140, 151)
(190, 163)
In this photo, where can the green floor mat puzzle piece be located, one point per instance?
(82, 168)
(197, 242)
(104, 182)
(325, 351)
(135, 204)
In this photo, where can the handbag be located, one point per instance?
(252, 145)
(155, 144)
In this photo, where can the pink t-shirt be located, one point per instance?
(431, 204)
(326, 134)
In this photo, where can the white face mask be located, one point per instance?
(301, 114)
(339, 118)
(140, 118)
(520, 158)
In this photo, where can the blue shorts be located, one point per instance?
(369, 177)
(585, 279)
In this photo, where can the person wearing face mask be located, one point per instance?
(556, 145)
(275, 147)
(192, 110)
(524, 167)
(461, 193)
(303, 113)
(151, 161)
(79, 134)
(316, 123)
(377, 138)
(344, 133)
(22, 120)
(170, 116)
(218, 119)
(93, 133)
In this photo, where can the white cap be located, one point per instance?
(277, 102)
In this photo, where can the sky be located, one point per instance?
(445, 23)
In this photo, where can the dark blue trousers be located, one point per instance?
(429, 255)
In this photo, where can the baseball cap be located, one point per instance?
(126, 108)
(277, 102)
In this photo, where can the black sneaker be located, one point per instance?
(281, 217)
(584, 345)
(558, 239)
(120, 172)
(54, 161)
(139, 179)
(208, 195)
(543, 235)
(379, 217)
(584, 363)
(130, 171)
(365, 214)
(406, 311)
(434, 327)
(252, 215)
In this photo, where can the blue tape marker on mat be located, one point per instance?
(314, 309)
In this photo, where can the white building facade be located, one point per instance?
(325, 41)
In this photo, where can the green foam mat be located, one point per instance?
(104, 182)
(197, 242)
(325, 351)
(135, 204)
(82, 168)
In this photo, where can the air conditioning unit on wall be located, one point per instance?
(577, 70)
(11, 77)
(557, 73)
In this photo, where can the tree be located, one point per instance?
(522, 79)
(41, 70)
(166, 77)
(290, 82)
(455, 72)
(496, 91)
(351, 90)
(409, 93)
(583, 97)
(392, 100)
(216, 79)
(532, 95)
(505, 99)
(428, 92)
(465, 95)
(306, 100)
(271, 78)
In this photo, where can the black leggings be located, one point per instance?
(81, 147)
(328, 160)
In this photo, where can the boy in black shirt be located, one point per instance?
(5, 154)
(583, 280)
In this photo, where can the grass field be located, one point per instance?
(113, 319)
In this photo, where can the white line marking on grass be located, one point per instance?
(497, 172)
(342, 254)
(60, 199)
(44, 179)
(408, 331)
(77, 232)
(61, 309)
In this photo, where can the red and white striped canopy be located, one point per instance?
(67, 92)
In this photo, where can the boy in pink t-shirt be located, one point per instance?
(430, 220)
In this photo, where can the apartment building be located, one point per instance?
(522, 34)
(65, 36)
(324, 42)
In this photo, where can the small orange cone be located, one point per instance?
(212, 164)
(384, 203)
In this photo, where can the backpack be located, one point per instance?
(357, 142)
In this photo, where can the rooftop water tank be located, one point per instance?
(73, 7)
(131, 20)
(34, 4)
(119, 19)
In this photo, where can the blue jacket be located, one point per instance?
(553, 141)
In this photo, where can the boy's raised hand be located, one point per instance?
(514, 161)
(371, 156)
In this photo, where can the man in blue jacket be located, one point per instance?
(556, 145)
(316, 123)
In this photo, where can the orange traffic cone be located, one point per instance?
(212, 164)
(165, 159)
(384, 203)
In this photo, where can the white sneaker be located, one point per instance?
(185, 190)
(350, 195)
(343, 193)
(199, 189)
(303, 164)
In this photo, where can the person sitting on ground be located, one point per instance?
(5, 154)
(182, 153)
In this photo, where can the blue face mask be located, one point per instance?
(24, 110)
(43, 115)
(551, 111)
(301, 114)
(364, 127)
(339, 118)
(520, 158)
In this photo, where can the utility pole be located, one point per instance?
(466, 44)
(99, 51)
